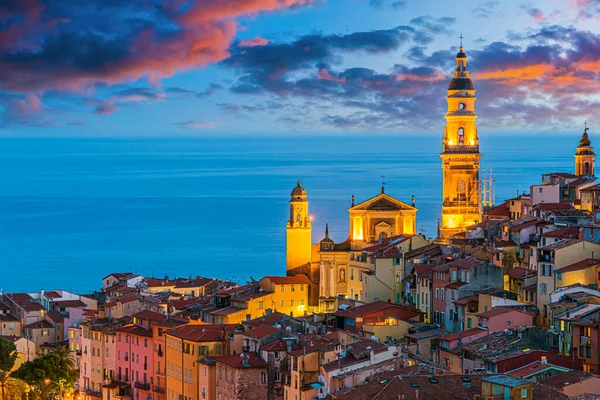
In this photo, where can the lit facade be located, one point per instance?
(585, 159)
(460, 155)
(299, 230)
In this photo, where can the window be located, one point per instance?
(443, 291)
(588, 352)
(559, 275)
(302, 287)
(260, 305)
(469, 323)
(291, 303)
(366, 294)
(282, 303)
(366, 283)
(437, 293)
(263, 378)
(282, 288)
(302, 302)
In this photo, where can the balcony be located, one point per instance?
(461, 149)
(141, 385)
(93, 393)
(158, 389)
(160, 373)
(159, 352)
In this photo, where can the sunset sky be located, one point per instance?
(277, 67)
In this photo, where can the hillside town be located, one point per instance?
(502, 304)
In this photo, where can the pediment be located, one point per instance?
(382, 202)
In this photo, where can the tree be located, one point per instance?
(48, 373)
(64, 358)
(8, 386)
(8, 355)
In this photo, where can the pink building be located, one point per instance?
(134, 363)
(449, 342)
(500, 318)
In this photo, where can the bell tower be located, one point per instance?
(460, 154)
(299, 230)
(585, 159)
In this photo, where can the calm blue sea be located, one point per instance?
(74, 210)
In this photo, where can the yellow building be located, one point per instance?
(585, 272)
(289, 293)
(585, 159)
(299, 230)
(245, 307)
(460, 155)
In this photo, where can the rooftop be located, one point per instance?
(237, 361)
(505, 380)
(567, 378)
(288, 280)
(580, 265)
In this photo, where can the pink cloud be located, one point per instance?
(325, 75)
(257, 41)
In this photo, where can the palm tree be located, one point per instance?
(64, 358)
(8, 386)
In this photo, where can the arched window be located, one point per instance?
(461, 136)
(461, 189)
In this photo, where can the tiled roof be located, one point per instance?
(262, 331)
(427, 334)
(56, 316)
(8, 318)
(424, 269)
(52, 295)
(236, 361)
(580, 265)
(269, 319)
(135, 330)
(356, 353)
(465, 300)
(504, 243)
(552, 206)
(462, 263)
(193, 283)
(251, 296)
(567, 378)
(561, 244)
(455, 285)
(501, 210)
(280, 345)
(42, 324)
(122, 275)
(519, 273)
(288, 280)
(525, 224)
(149, 315)
(376, 306)
(505, 380)
(68, 304)
(430, 249)
(563, 233)
(226, 311)
(201, 333)
(465, 334)
(529, 310)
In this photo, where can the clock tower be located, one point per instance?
(460, 154)
(299, 230)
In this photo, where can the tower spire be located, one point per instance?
(326, 230)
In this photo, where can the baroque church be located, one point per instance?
(382, 244)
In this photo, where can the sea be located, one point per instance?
(73, 210)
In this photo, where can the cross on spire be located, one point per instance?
(461, 37)
(382, 183)
(585, 126)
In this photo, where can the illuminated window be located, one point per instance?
(461, 136)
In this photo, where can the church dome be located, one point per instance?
(460, 83)
(585, 139)
(461, 54)
(298, 190)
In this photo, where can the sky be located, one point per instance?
(292, 67)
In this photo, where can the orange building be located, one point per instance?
(159, 368)
(290, 293)
(184, 347)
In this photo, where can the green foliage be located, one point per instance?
(11, 388)
(53, 368)
(8, 355)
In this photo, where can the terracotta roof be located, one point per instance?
(226, 311)
(149, 315)
(424, 269)
(56, 316)
(269, 319)
(519, 273)
(135, 330)
(42, 324)
(8, 318)
(376, 306)
(567, 378)
(201, 333)
(430, 249)
(563, 233)
(533, 368)
(583, 264)
(122, 275)
(506, 309)
(465, 300)
(552, 206)
(501, 210)
(236, 361)
(455, 285)
(280, 345)
(262, 331)
(288, 280)
(68, 303)
(52, 295)
(464, 334)
(426, 334)
(561, 244)
(356, 353)
(525, 224)
(462, 263)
